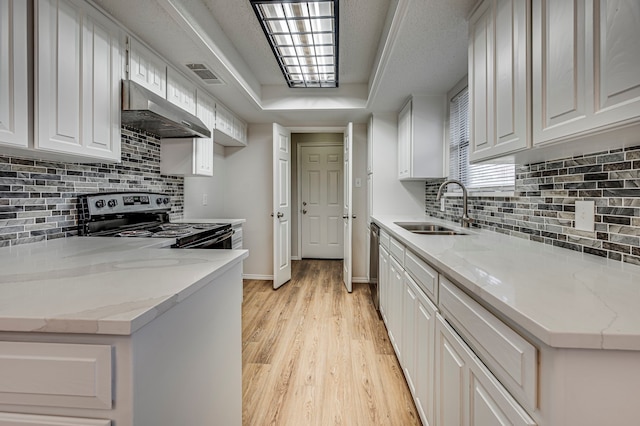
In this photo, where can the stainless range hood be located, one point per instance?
(144, 110)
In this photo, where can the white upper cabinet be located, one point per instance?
(586, 67)
(421, 138)
(77, 79)
(499, 78)
(180, 91)
(229, 130)
(14, 106)
(191, 156)
(147, 69)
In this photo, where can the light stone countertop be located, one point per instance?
(563, 298)
(100, 285)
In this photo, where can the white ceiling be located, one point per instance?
(388, 50)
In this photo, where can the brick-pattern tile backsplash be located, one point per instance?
(543, 208)
(38, 198)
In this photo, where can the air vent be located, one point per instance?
(205, 73)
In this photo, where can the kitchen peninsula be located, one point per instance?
(116, 331)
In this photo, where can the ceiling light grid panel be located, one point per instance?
(303, 36)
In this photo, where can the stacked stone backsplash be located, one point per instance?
(543, 208)
(38, 198)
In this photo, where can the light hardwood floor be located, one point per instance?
(313, 354)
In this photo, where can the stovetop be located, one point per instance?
(139, 215)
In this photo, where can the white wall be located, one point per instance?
(213, 187)
(390, 195)
(249, 195)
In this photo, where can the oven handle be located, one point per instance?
(212, 241)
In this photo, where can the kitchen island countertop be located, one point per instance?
(99, 285)
(561, 297)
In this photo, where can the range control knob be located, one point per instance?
(158, 201)
(112, 203)
(166, 200)
(100, 204)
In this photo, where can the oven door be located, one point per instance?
(220, 242)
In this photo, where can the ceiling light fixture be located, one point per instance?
(304, 38)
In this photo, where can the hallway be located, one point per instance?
(314, 354)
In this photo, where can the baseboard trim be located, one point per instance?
(257, 277)
(359, 279)
(296, 258)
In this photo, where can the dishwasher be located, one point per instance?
(373, 264)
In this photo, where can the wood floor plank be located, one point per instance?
(314, 354)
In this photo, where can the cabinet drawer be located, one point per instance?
(397, 250)
(53, 374)
(13, 419)
(426, 277)
(384, 239)
(507, 354)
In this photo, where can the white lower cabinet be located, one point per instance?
(383, 281)
(419, 341)
(466, 392)
(449, 383)
(394, 312)
(13, 419)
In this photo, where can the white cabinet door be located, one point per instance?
(421, 138)
(78, 67)
(404, 142)
(205, 111)
(467, 393)
(229, 130)
(383, 282)
(586, 67)
(409, 307)
(424, 348)
(452, 378)
(499, 78)
(394, 314)
(147, 69)
(180, 91)
(14, 107)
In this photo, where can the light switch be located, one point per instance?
(204, 199)
(358, 182)
(585, 215)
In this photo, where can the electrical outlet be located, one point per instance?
(358, 182)
(205, 199)
(585, 215)
(442, 204)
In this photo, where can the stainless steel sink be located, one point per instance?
(427, 228)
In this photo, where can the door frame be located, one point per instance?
(299, 178)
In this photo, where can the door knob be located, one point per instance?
(304, 203)
(280, 214)
(345, 216)
(304, 211)
(354, 216)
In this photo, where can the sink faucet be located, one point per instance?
(465, 220)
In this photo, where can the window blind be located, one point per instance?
(487, 177)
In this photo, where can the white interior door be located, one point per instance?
(347, 211)
(321, 201)
(281, 205)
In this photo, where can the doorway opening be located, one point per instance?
(317, 195)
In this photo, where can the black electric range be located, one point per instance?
(145, 215)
